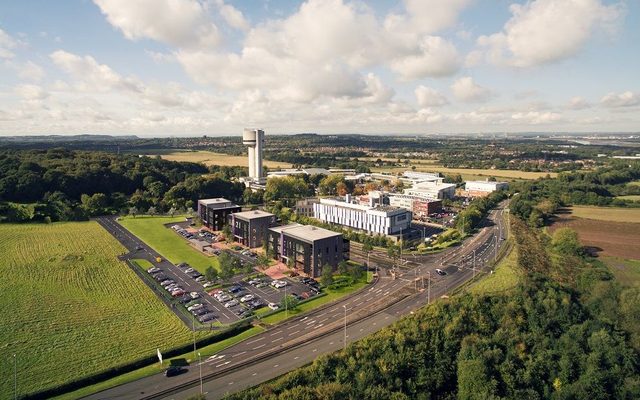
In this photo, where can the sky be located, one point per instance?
(213, 67)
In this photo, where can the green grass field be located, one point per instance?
(607, 213)
(627, 272)
(71, 309)
(211, 158)
(166, 242)
(505, 276)
(471, 173)
(632, 197)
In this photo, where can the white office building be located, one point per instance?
(384, 220)
(479, 188)
(432, 190)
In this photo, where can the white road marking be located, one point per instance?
(256, 348)
(238, 354)
(293, 333)
(275, 340)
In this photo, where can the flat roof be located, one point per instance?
(310, 233)
(246, 215)
(278, 229)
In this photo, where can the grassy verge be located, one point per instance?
(506, 276)
(607, 213)
(166, 242)
(627, 272)
(330, 295)
(205, 352)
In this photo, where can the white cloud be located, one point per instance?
(7, 43)
(465, 89)
(545, 31)
(31, 71)
(232, 16)
(625, 99)
(436, 57)
(578, 103)
(31, 92)
(182, 23)
(429, 16)
(536, 117)
(428, 97)
(93, 76)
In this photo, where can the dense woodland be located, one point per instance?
(568, 331)
(59, 185)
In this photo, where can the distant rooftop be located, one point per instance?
(217, 202)
(308, 233)
(247, 215)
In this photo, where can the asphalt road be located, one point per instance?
(298, 342)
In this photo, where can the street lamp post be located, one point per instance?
(15, 377)
(345, 326)
(200, 363)
(429, 288)
(286, 303)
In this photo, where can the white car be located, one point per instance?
(208, 284)
(189, 270)
(247, 297)
(194, 307)
(273, 306)
(231, 303)
(280, 284)
(223, 298)
(153, 270)
(194, 295)
(167, 282)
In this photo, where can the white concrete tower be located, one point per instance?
(254, 140)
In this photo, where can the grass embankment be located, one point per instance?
(205, 352)
(211, 158)
(505, 277)
(70, 309)
(607, 213)
(330, 295)
(631, 197)
(166, 242)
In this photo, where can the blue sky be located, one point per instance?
(189, 67)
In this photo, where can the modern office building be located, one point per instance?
(311, 248)
(305, 207)
(421, 207)
(249, 228)
(298, 172)
(385, 220)
(254, 140)
(483, 188)
(432, 190)
(214, 212)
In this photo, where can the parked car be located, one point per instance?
(201, 279)
(177, 293)
(194, 307)
(247, 297)
(167, 282)
(440, 272)
(153, 270)
(231, 303)
(261, 285)
(194, 295)
(206, 317)
(223, 298)
(273, 306)
(234, 289)
(188, 270)
(208, 284)
(199, 311)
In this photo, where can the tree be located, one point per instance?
(355, 271)
(94, 205)
(172, 211)
(326, 278)
(227, 264)
(226, 232)
(393, 252)
(20, 212)
(367, 248)
(329, 185)
(343, 267)
(133, 211)
(565, 241)
(152, 211)
(289, 302)
(211, 274)
(262, 261)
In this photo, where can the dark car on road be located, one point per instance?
(174, 371)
